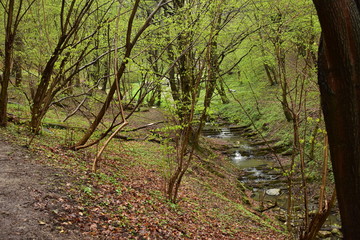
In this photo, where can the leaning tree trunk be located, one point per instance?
(339, 81)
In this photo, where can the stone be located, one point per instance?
(273, 192)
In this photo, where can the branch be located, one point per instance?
(144, 126)
(147, 22)
(96, 160)
(17, 15)
(62, 16)
(67, 21)
(75, 110)
(259, 132)
(2, 4)
(230, 69)
(99, 57)
(17, 21)
(130, 25)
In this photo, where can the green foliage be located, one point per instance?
(233, 40)
(88, 190)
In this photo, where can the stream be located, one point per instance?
(258, 169)
(259, 174)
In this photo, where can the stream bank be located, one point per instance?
(261, 175)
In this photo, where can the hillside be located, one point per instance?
(125, 199)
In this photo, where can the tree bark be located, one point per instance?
(17, 70)
(9, 42)
(339, 81)
(17, 60)
(221, 90)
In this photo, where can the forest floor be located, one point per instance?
(29, 196)
(49, 192)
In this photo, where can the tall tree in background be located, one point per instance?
(131, 39)
(13, 16)
(71, 20)
(339, 81)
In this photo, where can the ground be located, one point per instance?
(47, 191)
(29, 196)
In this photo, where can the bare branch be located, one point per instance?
(18, 20)
(130, 24)
(62, 15)
(237, 63)
(4, 7)
(75, 110)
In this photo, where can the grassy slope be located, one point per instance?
(257, 104)
(125, 199)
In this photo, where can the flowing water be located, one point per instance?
(259, 170)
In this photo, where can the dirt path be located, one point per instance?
(30, 197)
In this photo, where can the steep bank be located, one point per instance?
(125, 199)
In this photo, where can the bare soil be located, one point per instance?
(30, 196)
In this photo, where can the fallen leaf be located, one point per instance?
(93, 227)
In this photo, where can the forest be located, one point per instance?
(185, 119)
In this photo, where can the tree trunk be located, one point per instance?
(221, 90)
(155, 98)
(270, 73)
(213, 58)
(42, 91)
(9, 42)
(130, 43)
(339, 81)
(102, 111)
(106, 77)
(17, 69)
(17, 64)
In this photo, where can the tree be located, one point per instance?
(49, 84)
(14, 13)
(130, 41)
(339, 81)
